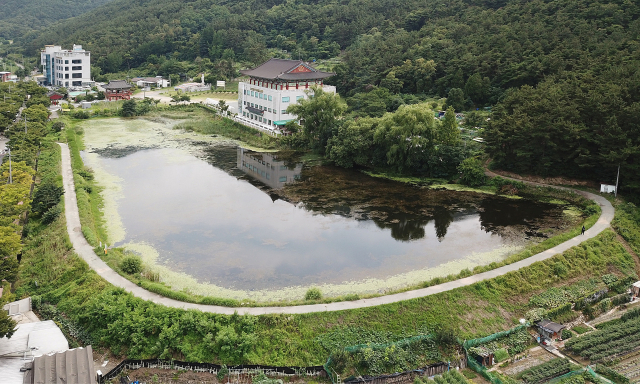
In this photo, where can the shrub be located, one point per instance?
(313, 293)
(131, 265)
(46, 196)
(81, 115)
(472, 172)
(51, 215)
(57, 126)
(609, 279)
(566, 334)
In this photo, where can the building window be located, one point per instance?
(66, 68)
(299, 98)
(251, 93)
(77, 68)
(285, 99)
(77, 75)
(76, 61)
(283, 179)
(66, 75)
(269, 122)
(270, 98)
(77, 83)
(284, 111)
(269, 110)
(66, 61)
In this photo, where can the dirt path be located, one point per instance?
(85, 251)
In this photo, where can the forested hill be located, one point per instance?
(506, 43)
(19, 17)
(562, 75)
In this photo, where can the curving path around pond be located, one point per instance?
(85, 251)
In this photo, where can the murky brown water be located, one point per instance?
(252, 221)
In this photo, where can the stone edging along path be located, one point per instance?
(87, 253)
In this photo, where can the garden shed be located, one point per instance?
(549, 330)
(635, 289)
(483, 356)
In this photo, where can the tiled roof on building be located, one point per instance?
(117, 84)
(283, 69)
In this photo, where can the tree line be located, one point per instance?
(16, 177)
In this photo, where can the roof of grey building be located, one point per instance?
(283, 69)
(117, 84)
(550, 325)
(69, 367)
(31, 339)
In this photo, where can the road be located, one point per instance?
(85, 251)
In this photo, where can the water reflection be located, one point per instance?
(231, 219)
(267, 168)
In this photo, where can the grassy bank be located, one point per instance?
(95, 311)
(207, 123)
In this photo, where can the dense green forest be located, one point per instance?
(19, 17)
(560, 75)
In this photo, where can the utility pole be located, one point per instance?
(615, 194)
(10, 177)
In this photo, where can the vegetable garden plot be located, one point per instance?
(451, 377)
(607, 343)
(629, 366)
(546, 371)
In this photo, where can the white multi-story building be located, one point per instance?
(272, 87)
(66, 68)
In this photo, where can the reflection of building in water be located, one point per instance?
(266, 168)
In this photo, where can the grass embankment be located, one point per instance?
(232, 130)
(112, 318)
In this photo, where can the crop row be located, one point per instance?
(550, 369)
(616, 348)
(603, 336)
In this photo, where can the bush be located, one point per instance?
(472, 172)
(46, 196)
(313, 294)
(566, 334)
(131, 265)
(81, 115)
(57, 126)
(51, 215)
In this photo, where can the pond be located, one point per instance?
(217, 219)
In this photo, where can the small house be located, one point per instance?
(55, 97)
(549, 330)
(635, 289)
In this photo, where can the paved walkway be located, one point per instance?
(84, 250)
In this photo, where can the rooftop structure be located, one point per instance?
(66, 68)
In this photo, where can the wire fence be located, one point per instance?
(212, 369)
